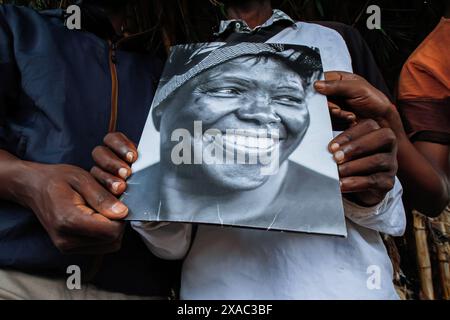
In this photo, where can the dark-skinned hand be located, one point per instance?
(77, 212)
(366, 153)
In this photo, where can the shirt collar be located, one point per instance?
(241, 26)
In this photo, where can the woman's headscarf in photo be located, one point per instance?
(188, 61)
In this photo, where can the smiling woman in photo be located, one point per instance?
(218, 108)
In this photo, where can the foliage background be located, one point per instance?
(405, 23)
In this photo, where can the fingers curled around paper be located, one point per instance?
(359, 130)
(114, 184)
(122, 146)
(337, 112)
(373, 143)
(110, 162)
(378, 184)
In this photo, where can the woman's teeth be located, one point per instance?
(244, 143)
(249, 142)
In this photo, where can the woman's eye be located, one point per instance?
(224, 91)
(289, 99)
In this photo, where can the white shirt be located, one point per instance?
(232, 263)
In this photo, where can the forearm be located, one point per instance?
(425, 187)
(13, 178)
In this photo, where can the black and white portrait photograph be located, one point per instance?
(237, 136)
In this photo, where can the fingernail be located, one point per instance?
(130, 156)
(339, 156)
(123, 172)
(119, 208)
(335, 147)
(320, 85)
(115, 186)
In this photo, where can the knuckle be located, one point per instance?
(65, 166)
(62, 244)
(390, 183)
(389, 137)
(371, 124)
(82, 178)
(377, 161)
(99, 174)
(343, 170)
(383, 162)
(366, 89)
(387, 182)
(111, 136)
(352, 150)
(121, 136)
(109, 162)
(114, 139)
(354, 76)
(373, 181)
(95, 171)
(60, 223)
(112, 164)
(68, 168)
(346, 137)
(101, 198)
(64, 223)
(52, 187)
(386, 164)
(98, 150)
(394, 167)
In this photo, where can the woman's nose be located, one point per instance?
(259, 111)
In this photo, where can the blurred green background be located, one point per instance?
(405, 23)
